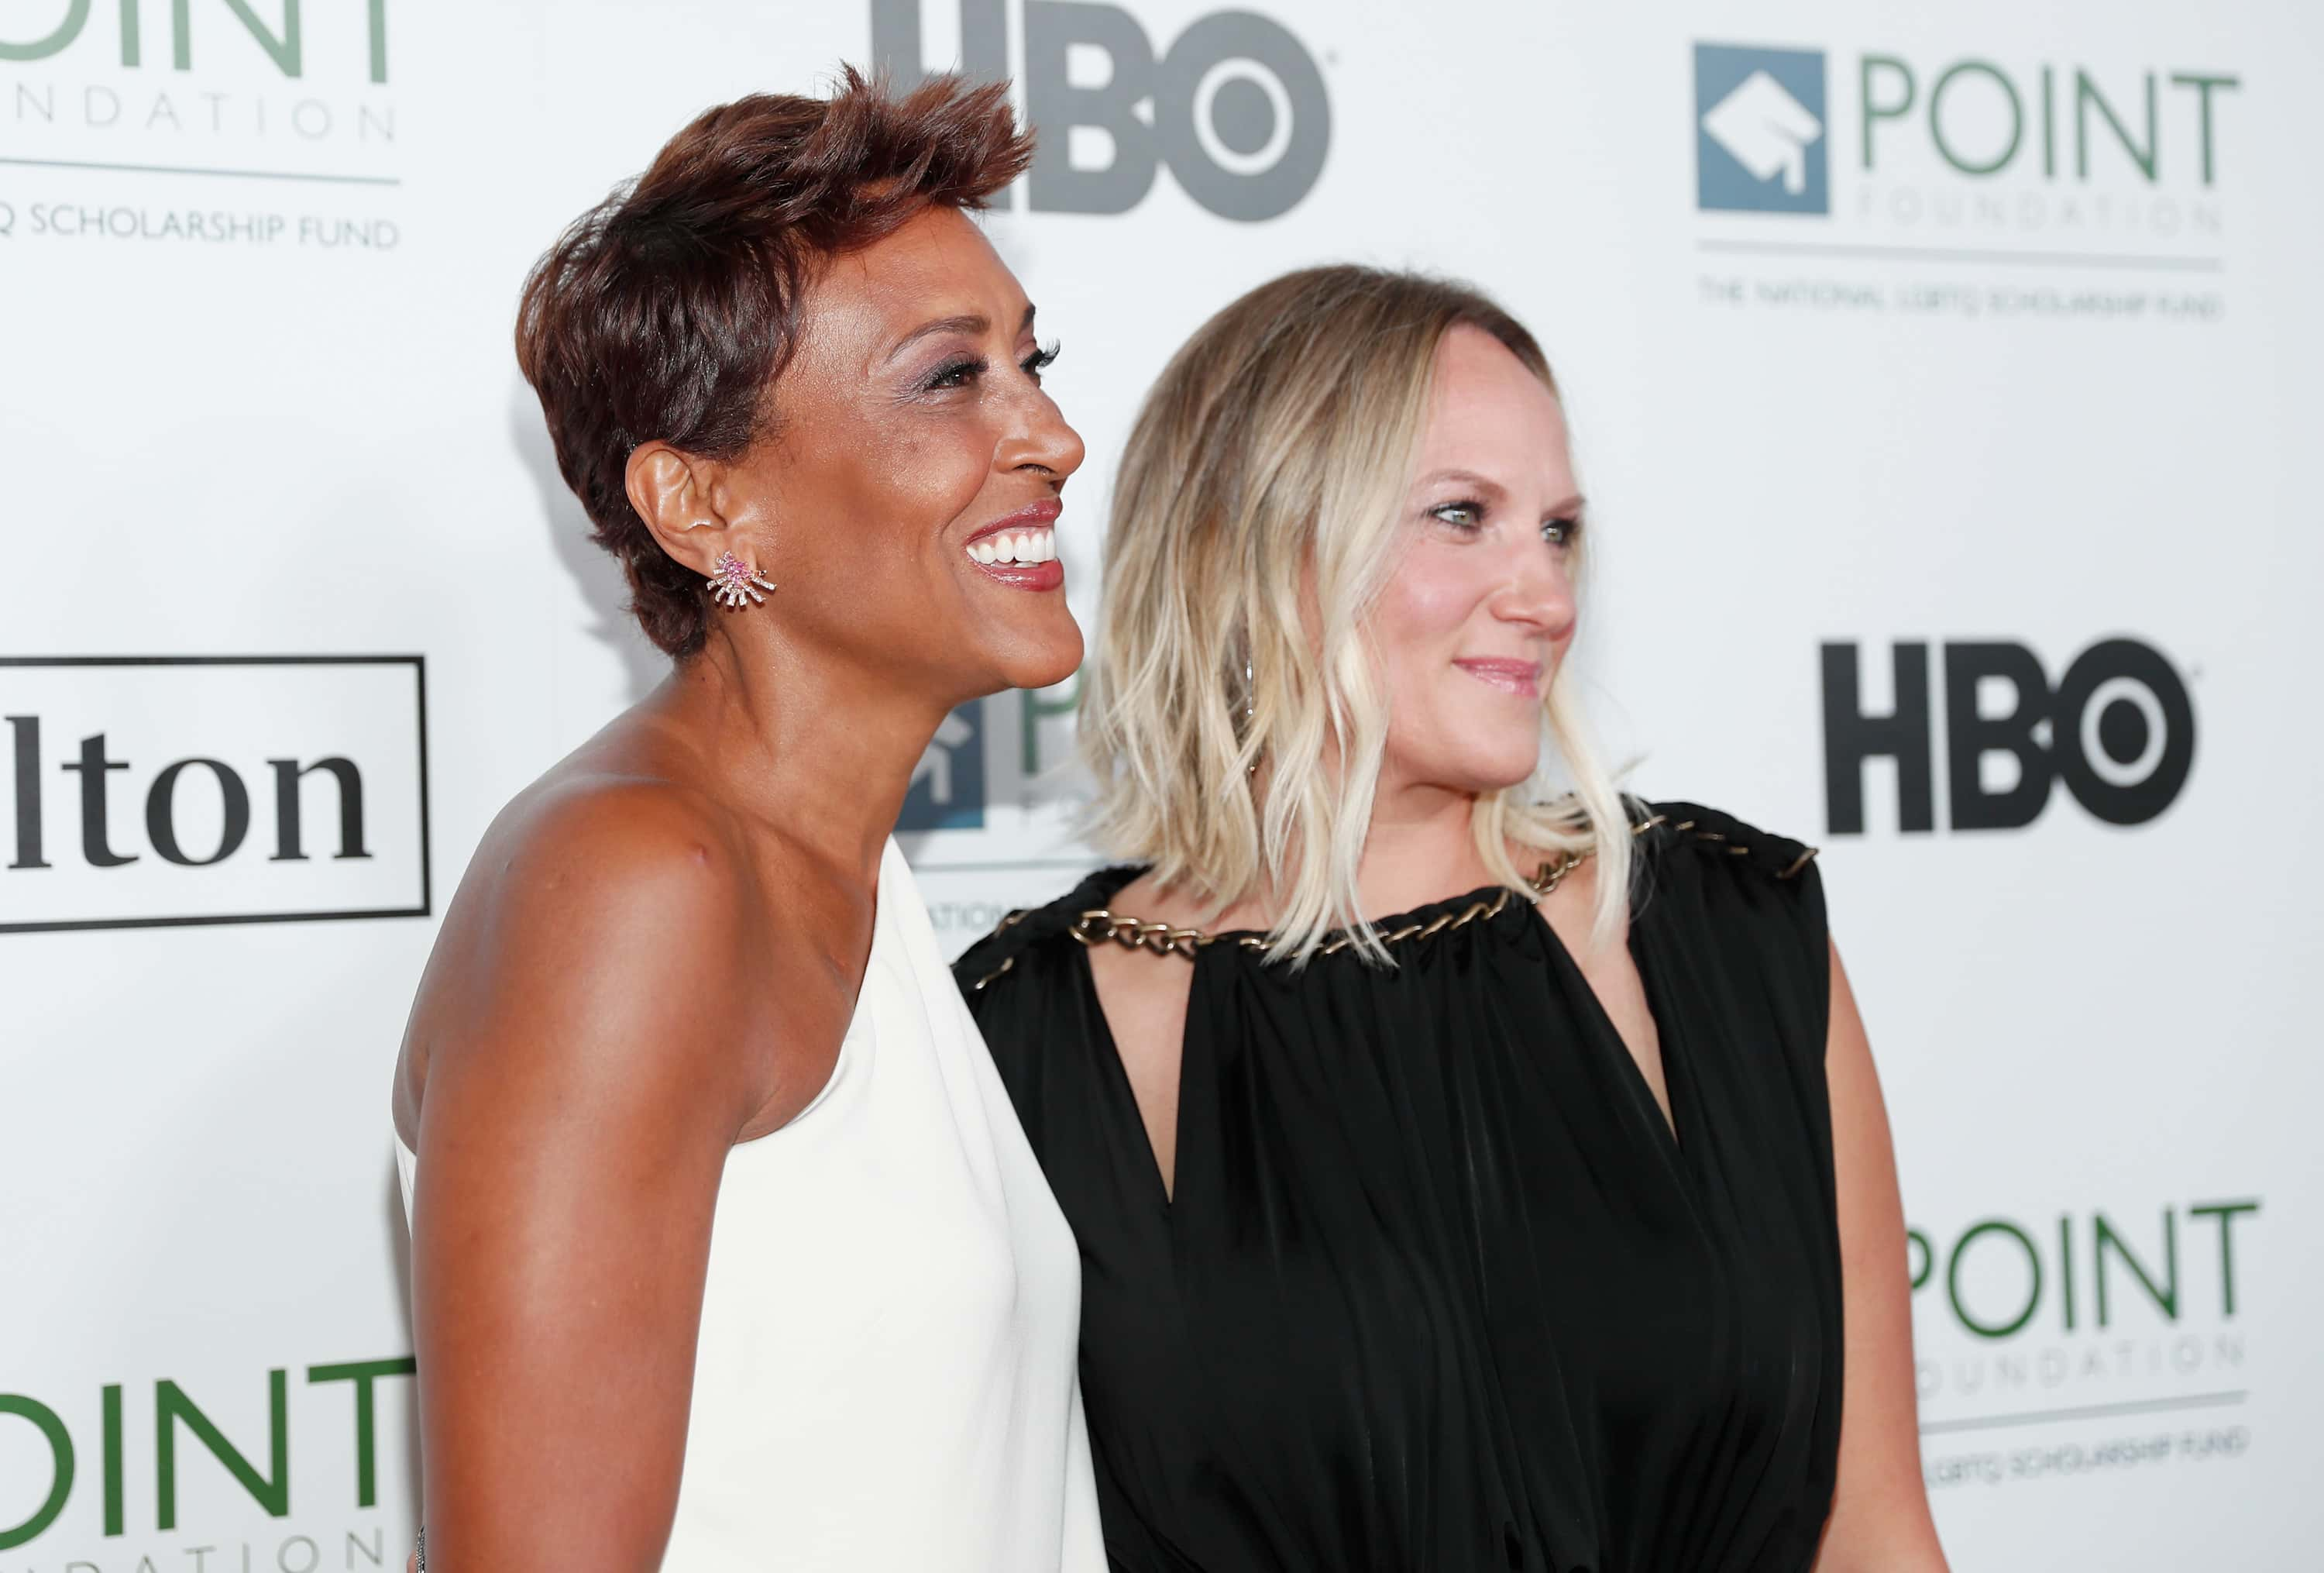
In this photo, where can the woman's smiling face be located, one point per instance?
(908, 498)
(1479, 610)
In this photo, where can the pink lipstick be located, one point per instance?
(1522, 678)
(1020, 548)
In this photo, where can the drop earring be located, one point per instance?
(735, 584)
(1249, 712)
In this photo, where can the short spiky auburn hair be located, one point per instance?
(670, 309)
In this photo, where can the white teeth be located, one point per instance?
(1027, 546)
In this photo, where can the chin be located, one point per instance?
(1045, 662)
(1471, 773)
(1499, 771)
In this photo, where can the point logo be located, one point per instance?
(2094, 1266)
(199, 88)
(947, 789)
(2033, 134)
(286, 48)
(180, 1430)
(2118, 728)
(1759, 143)
(2132, 1306)
(1235, 107)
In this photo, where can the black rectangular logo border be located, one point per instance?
(427, 907)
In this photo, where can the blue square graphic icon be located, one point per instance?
(1760, 142)
(947, 791)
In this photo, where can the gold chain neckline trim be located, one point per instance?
(1099, 925)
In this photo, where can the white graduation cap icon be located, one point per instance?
(1766, 130)
(935, 759)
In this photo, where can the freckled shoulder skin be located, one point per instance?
(610, 1007)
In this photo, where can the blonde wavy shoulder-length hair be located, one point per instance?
(1233, 713)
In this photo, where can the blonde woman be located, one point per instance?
(1548, 1223)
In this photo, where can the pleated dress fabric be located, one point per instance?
(1440, 1290)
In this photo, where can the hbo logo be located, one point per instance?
(2118, 729)
(1240, 114)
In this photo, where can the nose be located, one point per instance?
(1536, 592)
(1043, 441)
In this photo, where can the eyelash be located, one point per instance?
(1571, 527)
(971, 367)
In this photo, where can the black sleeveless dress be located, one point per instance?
(1440, 1291)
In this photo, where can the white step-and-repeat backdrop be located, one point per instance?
(1945, 381)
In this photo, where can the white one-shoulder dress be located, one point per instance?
(886, 1376)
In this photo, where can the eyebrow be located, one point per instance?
(1468, 478)
(972, 323)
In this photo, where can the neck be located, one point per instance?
(1418, 849)
(818, 747)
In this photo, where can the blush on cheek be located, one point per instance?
(1426, 599)
(927, 472)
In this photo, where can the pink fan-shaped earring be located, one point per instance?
(735, 584)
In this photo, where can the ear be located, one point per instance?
(677, 494)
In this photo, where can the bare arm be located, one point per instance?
(582, 1093)
(1880, 1520)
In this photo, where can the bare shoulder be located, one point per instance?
(641, 879)
(597, 850)
(576, 1071)
(601, 919)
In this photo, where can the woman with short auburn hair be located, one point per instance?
(727, 1250)
(1549, 1222)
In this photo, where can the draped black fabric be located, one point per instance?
(1439, 1290)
